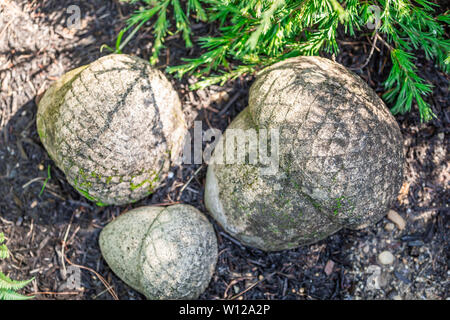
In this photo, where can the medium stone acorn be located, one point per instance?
(113, 127)
(164, 253)
(339, 157)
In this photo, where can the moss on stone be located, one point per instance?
(333, 172)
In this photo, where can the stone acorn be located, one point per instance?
(164, 253)
(337, 157)
(113, 127)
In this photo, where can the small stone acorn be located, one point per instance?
(162, 252)
(336, 150)
(113, 127)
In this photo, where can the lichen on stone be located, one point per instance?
(113, 127)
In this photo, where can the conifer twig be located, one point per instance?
(374, 43)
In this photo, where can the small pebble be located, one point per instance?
(397, 219)
(389, 226)
(386, 258)
(33, 204)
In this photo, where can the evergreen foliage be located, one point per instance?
(258, 33)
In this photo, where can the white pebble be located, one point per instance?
(386, 257)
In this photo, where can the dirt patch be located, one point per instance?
(36, 48)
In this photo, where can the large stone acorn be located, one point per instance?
(339, 161)
(113, 127)
(164, 253)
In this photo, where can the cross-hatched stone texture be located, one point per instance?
(113, 127)
(164, 253)
(341, 158)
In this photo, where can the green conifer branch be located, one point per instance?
(256, 33)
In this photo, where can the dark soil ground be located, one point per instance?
(36, 48)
